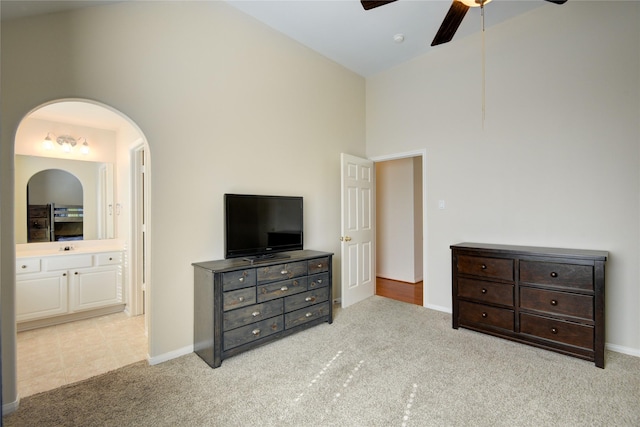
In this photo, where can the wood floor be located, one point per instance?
(401, 291)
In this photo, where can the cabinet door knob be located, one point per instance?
(554, 330)
(484, 314)
(554, 302)
(64, 274)
(554, 274)
(75, 272)
(483, 266)
(484, 291)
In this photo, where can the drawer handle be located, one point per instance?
(554, 302)
(241, 279)
(484, 266)
(75, 272)
(110, 259)
(284, 272)
(554, 274)
(319, 281)
(554, 330)
(255, 314)
(256, 332)
(24, 266)
(319, 265)
(484, 314)
(308, 315)
(484, 291)
(64, 274)
(308, 299)
(284, 289)
(240, 299)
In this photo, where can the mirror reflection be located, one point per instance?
(45, 185)
(54, 207)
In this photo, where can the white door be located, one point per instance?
(357, 229)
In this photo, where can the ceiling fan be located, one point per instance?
(452, 20)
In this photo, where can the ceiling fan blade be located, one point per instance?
(557, 1)
(374, 3)
(451, 22)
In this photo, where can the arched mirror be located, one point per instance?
(55, 209)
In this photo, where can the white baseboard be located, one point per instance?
(171, 355)
(10, 407)
(439, 308)
(624, 350)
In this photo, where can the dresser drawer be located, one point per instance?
(252, 332)
(282, 271)
(253, 313)
(280, 289)
(557, 274)
(305, 299)
(472, 314)
(496, 268)
(318, 265)
(318, 281)
(496, 293)
(562, 303)
(27, 265)
(238, 298)
(305, 315)
(238, 279)
(557, 330)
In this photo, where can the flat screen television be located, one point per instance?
(261, 226)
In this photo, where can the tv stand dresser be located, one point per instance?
(546, 297)
(241, 304)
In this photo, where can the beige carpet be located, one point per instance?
(381, 363)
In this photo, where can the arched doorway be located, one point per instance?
(84, 135)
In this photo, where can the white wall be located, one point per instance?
(557, 163)
(399, 220)
(226, 104)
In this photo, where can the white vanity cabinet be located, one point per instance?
(64, 284)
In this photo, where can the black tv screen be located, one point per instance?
(257, 226)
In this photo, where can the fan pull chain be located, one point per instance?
(483, 66)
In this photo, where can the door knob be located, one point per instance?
(345, 239)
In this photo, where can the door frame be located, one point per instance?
(410, 154)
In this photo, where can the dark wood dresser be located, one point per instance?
(550, 298)
(239, 304)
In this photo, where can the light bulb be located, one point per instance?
(47, 143)
(85, 148)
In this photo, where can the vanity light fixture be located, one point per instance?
(66, 142)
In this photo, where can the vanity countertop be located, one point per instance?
(58, 249)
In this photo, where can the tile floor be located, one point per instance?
(57, 355)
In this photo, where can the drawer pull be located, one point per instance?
(484, 314)
(319, 265)
(24, 266)
(241, 279)
(284, 289)
(255, 314)
(240, 299)
(554, 274)
(110, 259)
(484, 291)
(483, 266)
(554, 302)
(256, 332)
(308, 299)
(308, 315)
(554, 330)
(284, 272)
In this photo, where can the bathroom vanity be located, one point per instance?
(55, 287)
